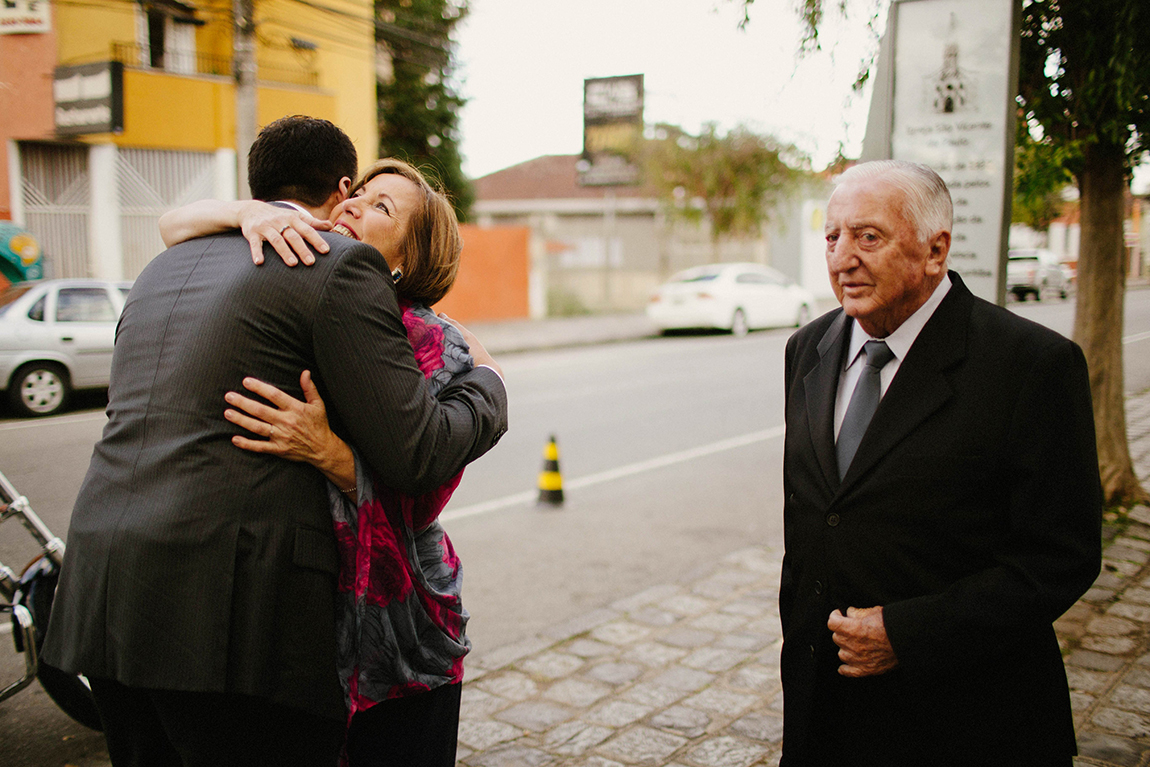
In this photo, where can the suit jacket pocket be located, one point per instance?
(315, 550)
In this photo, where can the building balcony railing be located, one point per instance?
(189, 63)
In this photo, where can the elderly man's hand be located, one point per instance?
(864, 647)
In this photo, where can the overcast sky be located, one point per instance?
(523, 63)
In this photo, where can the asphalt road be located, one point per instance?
(670, 451)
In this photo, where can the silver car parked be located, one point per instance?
(56, 336)
(1035, 272)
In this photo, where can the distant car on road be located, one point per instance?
(734, 297)
(1035, 272)
(56, 336)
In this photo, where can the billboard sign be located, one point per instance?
(89, 98)
(24, 17)
(612, 130)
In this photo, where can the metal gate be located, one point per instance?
(152, 182)
(57, 203)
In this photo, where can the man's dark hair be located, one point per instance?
(300, 158)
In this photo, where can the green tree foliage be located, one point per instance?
(1085, 81)
(730, 179)
(419, 102)
(1040, 176)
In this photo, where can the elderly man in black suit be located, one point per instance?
(198, 589)
(942, 503)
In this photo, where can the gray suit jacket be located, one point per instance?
(194, 565)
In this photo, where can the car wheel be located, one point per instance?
(804, 316)
(39, 388)
(739, 327)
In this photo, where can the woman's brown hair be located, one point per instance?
(432, 245)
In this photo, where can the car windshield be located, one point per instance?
(10, 294)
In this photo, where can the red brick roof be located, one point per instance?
(552, 177)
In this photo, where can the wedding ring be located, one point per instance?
(284, 228)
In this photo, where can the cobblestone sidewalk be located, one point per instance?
(1107, 634)
(686, 674)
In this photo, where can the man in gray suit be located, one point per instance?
(198, 591)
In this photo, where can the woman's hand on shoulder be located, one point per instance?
(287, 230)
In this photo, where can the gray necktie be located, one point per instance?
(864, 401)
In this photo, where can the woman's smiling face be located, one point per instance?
(378, 214)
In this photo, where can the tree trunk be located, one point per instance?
(1098, 317)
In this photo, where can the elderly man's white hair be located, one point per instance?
(928, 204)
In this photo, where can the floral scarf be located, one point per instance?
(400, 620)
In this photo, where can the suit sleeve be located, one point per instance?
(1049, 551)
(412, 441)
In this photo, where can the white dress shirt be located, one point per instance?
(899, 342)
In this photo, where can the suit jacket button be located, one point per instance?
(812, 651)
(833, 520)
(819, 587)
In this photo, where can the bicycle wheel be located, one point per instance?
(69, 691)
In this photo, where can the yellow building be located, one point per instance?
(141, 113)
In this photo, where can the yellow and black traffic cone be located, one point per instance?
(550, 480)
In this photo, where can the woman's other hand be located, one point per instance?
(287, 230)
(291, 429)
(478, 353)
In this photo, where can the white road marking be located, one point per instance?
(524, 498)
(58, 420)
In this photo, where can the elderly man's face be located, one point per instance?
(880, 271)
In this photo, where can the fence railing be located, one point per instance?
(191, 63)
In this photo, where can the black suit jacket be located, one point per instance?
(194, 565)
(971, 513)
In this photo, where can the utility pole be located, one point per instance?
(244, 66)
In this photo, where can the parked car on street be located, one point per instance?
(734, 297)
(56, 336)
(1035, 272)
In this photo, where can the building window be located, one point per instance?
(157, 21)
(166, 35)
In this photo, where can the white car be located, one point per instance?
(1035, 272)
(734, 297)
(56, 336)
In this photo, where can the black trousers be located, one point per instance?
(170, 728)
(413, 731)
